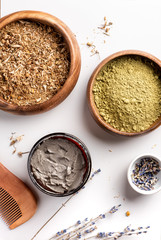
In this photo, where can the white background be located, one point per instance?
(136, 25)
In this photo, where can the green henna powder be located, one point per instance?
(127, 93)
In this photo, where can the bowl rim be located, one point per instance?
(137, 158)
(75, 61)
(85, 151)
(92, 107)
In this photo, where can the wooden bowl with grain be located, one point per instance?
(92, 100)
(74, 61)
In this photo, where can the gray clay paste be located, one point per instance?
(58, 164)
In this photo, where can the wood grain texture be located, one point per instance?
(92, 107)
(20, 193)
(75, 57)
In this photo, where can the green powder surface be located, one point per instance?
(127, 93)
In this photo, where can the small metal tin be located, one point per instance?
(84, 151)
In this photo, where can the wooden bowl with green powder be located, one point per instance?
(124, 93)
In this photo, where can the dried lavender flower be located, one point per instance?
(144, 174)
(115, 235)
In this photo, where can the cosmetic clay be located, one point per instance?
(58, 165)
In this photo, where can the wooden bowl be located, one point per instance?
(93, 109)
(75, 62)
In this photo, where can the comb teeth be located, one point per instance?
(9, 209)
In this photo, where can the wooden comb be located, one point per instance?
(17, 202)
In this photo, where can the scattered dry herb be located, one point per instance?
(93, 48)
(154, 146)
(14, 140)
(117, 196)
(34, 62)
(106, 26)
(14, 150)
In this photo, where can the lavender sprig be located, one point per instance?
(81, 228)
(94, 173)
(63, 205)
(115, 235)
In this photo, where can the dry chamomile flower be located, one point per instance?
(89, 44)
(21, 153)
(34, 62)
(127, 214)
